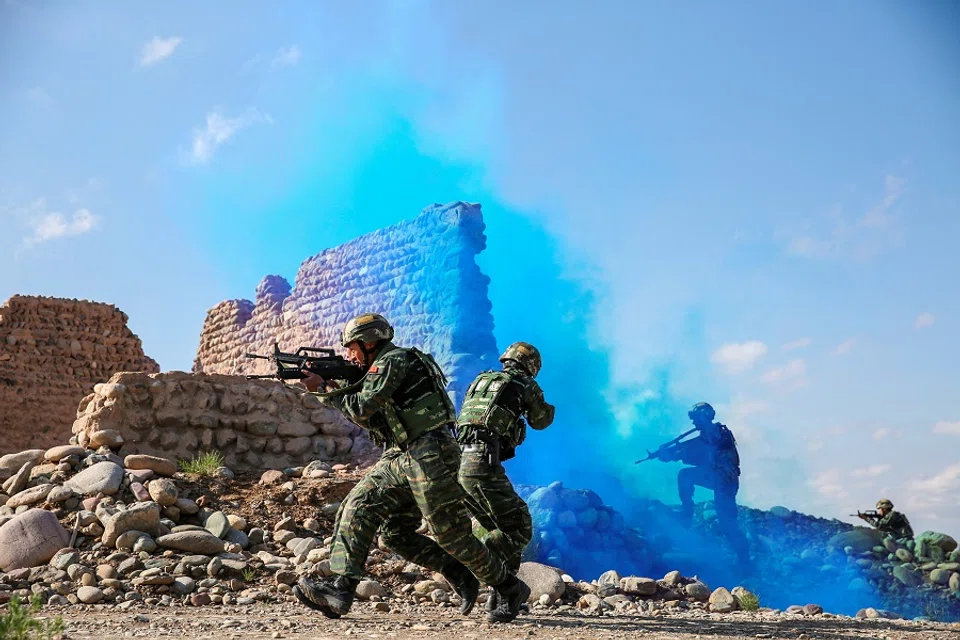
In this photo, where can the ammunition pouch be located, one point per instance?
(483, 441)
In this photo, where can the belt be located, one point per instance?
(438, 433)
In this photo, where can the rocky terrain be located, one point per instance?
(52, 352)
(129, 538)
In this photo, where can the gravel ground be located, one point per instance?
(290, 621)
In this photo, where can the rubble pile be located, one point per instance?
(255, 424)
(52, 352)
(90, 524)
(421, 274)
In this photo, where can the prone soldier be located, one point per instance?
(887, 520)
(489, 428)
(402, 402)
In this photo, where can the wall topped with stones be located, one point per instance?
(421, 274)
(52, 352)
(256, 424)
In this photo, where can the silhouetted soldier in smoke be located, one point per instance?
(715, 464)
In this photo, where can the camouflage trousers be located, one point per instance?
(724, 500)
(496, 506)
(400, 490)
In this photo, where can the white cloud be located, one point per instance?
(924, 320)
(49, 225)
(941, 485)
(799, 343)
(791, 375)
(871, 472)
(829, 484)
(884, 433)
(878, 216)
(218, 130)
(286, 57)
(845, 347)
(840, 235)
(947, 428)
(739, 357)
(158, 49)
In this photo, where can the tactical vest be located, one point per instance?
(727, 448)
(494, 401)
(420, 404)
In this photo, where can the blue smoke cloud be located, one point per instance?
(542, 294)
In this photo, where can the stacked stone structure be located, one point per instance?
(52, 352)
(254, 423)
(421, 274)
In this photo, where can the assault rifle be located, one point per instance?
(322, 362)
(868, 515)
(656, 454)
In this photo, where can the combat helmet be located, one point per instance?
(524, 354)
(370, 327)
(884, 504)
(702, 409)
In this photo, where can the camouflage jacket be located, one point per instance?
(400, 398)
(715, 449)
(896, 524)
(499, 401)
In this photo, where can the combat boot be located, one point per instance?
(464, 583)
(491, 604)
(331, 598)
(511, 594)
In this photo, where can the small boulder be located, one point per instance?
(106, 438)
(30, 496)
(103, 477)
(193, 542)
(160, 466)
(698, 591)
(217, 524)
(12, 462)
(142, 516)
(56, 454)
(90, 595)
(164, 492)
(542, 580)
(31, 539)
(722, 601)
(370, 588)
(635, 586)
(273, 477)
(860, 539)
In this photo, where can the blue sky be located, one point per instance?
(760, 199)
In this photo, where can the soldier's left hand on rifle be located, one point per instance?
(312, 381)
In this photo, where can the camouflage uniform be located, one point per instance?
(402, 403)
(715, 465)
(894, 523)
(490, 428)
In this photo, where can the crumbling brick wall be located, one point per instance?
(421, 274)
(52, 352)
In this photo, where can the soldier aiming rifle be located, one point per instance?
(316, 360)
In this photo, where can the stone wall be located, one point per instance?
(255, 424)
(52, 352)
(421, 274)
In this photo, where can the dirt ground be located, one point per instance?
(292, 621)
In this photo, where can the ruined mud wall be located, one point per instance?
(52, 352)
(421, 274)
(255, 424)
